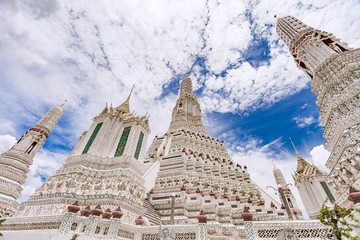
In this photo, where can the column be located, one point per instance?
(138, 236)
(67, 222)
(91, 225)
(249, 230)
(114, 228)
(202, 232)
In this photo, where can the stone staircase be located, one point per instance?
(151, 213)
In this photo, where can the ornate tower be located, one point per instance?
(103, 168)
(196, 173)
(290, 199)
(310, 182)
(15, 163)
(334, 69)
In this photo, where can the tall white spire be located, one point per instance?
(310, 47)
(187, 113)
(334, 71)
(279, 178)
(193, 162)
(186, 87)
(15, 163)
(289, 197)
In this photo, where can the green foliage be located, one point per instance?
(341, 220)
(74, 237)
(1, 221)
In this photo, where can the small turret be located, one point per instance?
(311, 185)
(125, 106)
(281, 182)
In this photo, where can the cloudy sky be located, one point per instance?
(91, 52)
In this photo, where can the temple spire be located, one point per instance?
(297, 153)
(125, 106)
(310, 47)
(16, 162)
(301, 163)
(186, 114)
(186, 87)
(62, 105)
(279, 178)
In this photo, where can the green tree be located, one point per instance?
(341, 220)
(1, 221)
(74, 237)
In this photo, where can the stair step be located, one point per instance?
(151, 213)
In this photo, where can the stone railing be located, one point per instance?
(303, 229)
(95, 227)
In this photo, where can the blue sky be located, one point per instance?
(90, 52)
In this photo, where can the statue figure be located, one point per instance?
(286, 234)
(166, 234)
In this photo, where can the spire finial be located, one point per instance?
(62, 105)
(297, 153)
(273, 163)
(124, 107)
(131, 91)
(186, 86)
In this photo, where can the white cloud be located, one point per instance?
(227, 32)
(319, 156)
(304, 121)
(304, 106)
(45, 164)
(6, 142)
(90, 53)
(55, 50)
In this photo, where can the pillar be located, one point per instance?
(202, 232)
(249, 230)
(114, 228)
(91, 225)
(67, 222)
